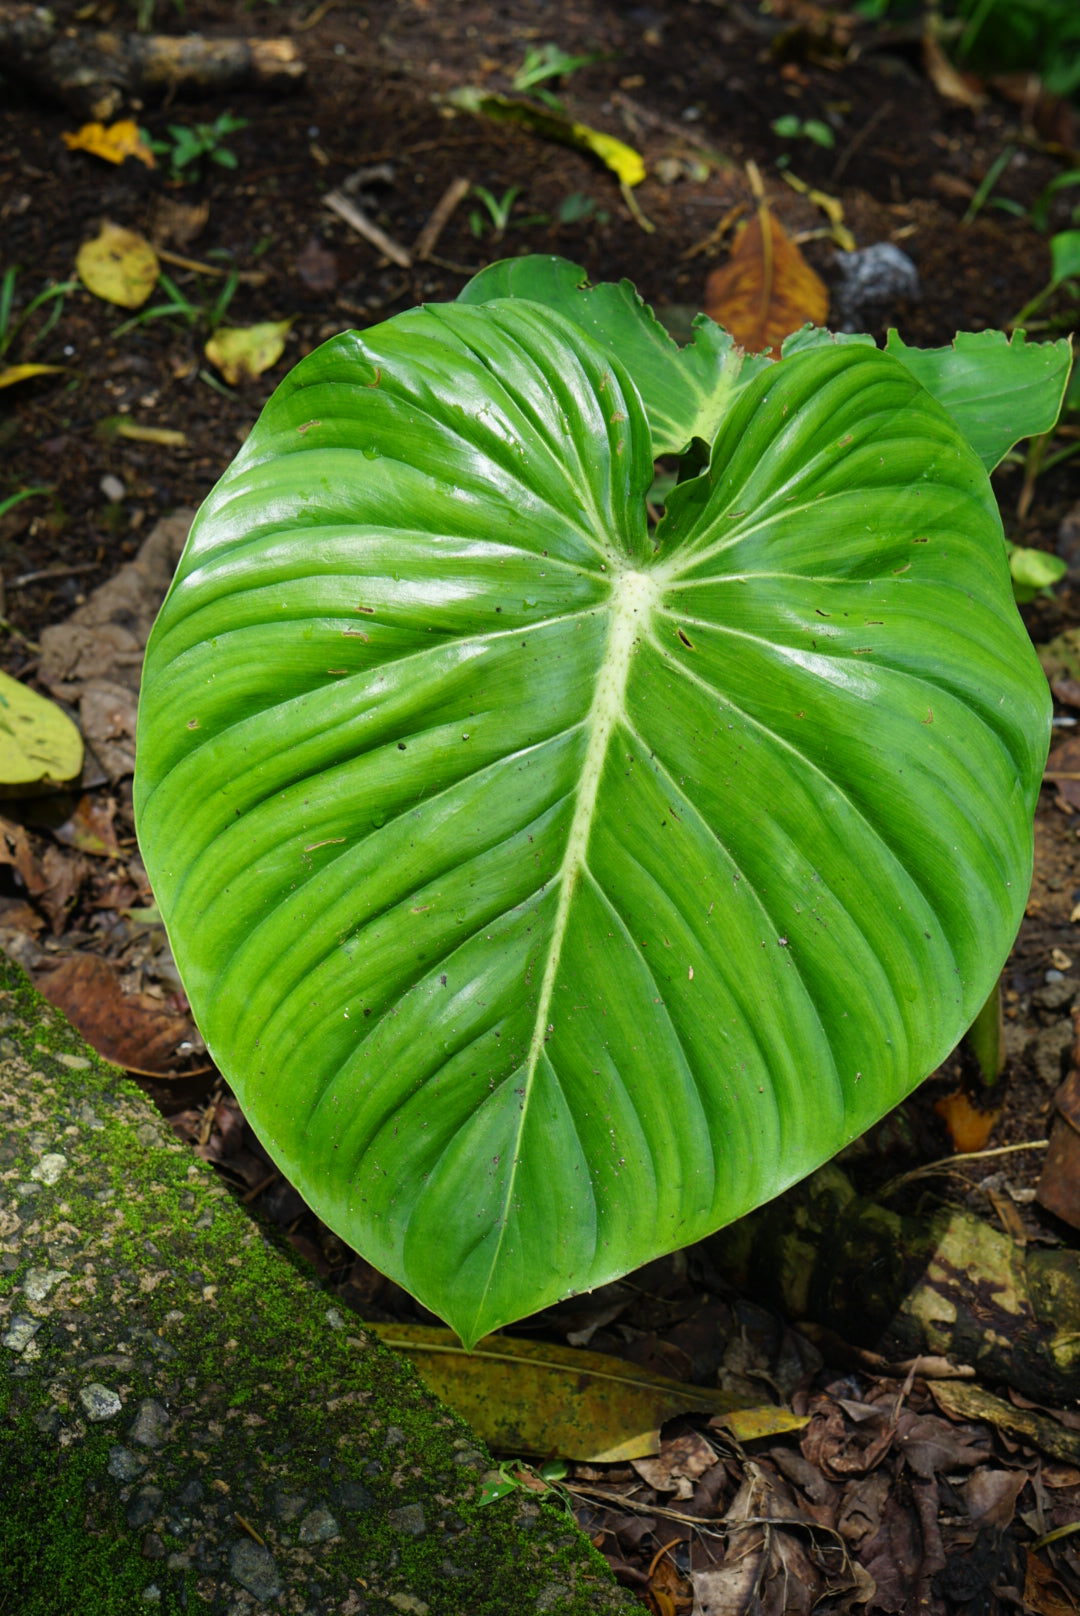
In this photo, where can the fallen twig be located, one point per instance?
(359, 221)
(95, 73)
(441, 214)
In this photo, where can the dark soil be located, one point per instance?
(686, 80)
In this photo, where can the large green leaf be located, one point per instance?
(686, 391)
(553, 892)
(997, 390)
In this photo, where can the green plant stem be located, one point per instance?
(985, 1038)
(990, 179)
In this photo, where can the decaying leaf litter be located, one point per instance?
(895, 1481)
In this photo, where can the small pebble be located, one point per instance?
(252, 1566)
(112, 488)
(40, 1281)
(151, 1594)
(409, 1518)
(335, 1319)
(319, 1526)
(124, 1465)
(287, 1506)
(20, 1332)
(150, 1425)
(1055, 976)
(74, 1063)
(99, 1402)
(49, 1168)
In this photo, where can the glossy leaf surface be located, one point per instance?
(553, 891)
(996, 389)
(686, 391)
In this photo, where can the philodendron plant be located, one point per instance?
(553, 889)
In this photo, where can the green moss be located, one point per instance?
(267, 1398)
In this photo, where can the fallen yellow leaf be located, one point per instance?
(39, 745)
(751, 1424)
(113, 142)
(531, 1397)
(242, 352)
(622, 159)
(21, 373)
(766, 290)
(119, 266)
(119, 426)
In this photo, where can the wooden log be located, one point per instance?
(951, 1285)
(95, 73)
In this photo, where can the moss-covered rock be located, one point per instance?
(185, 1423)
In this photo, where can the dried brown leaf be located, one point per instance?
(766, 290)
(132, 1030)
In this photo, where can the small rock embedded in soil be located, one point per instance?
(252, 1566)
(20, 1332)
(409, 1518)
(40, 1281)
(125, 1465)
(287, 1506)
(319, 1526)
(150, 1425)
(99, 1402)
(49, 1168)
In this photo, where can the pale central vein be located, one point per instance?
(634, 596)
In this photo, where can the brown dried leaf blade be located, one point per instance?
(131, 1030)
(766, 290)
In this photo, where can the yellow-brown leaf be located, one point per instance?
(113, 142)
(531, 1397)
(766, 290)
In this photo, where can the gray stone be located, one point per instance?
(395, 1436)
(40, 1281)
(873, 275)
(191, 1494)
(89, 1117)
(147, 1134)
(99, 1402)
(409, 1518)
(355, 1497)
(125, 1465)
(287, 1506)
(552, 1595)
(151, 1594)
(20, 1332)
(151, 1424)
(318, 1526)
(49, 1421)
(152, 1547)
(252, 1566)
(335, 1318)
(74, 1063)
(144, 1506)
(50, 1168)
(409, 1604)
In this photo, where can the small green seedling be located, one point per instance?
(515, 1475)
(577, 207)
(11, 324)
(188, 144)
(181, 307)
(498, 209)
(791, 128)
(554, 887)
(544, 62)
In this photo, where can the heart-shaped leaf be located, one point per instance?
(550, 891)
